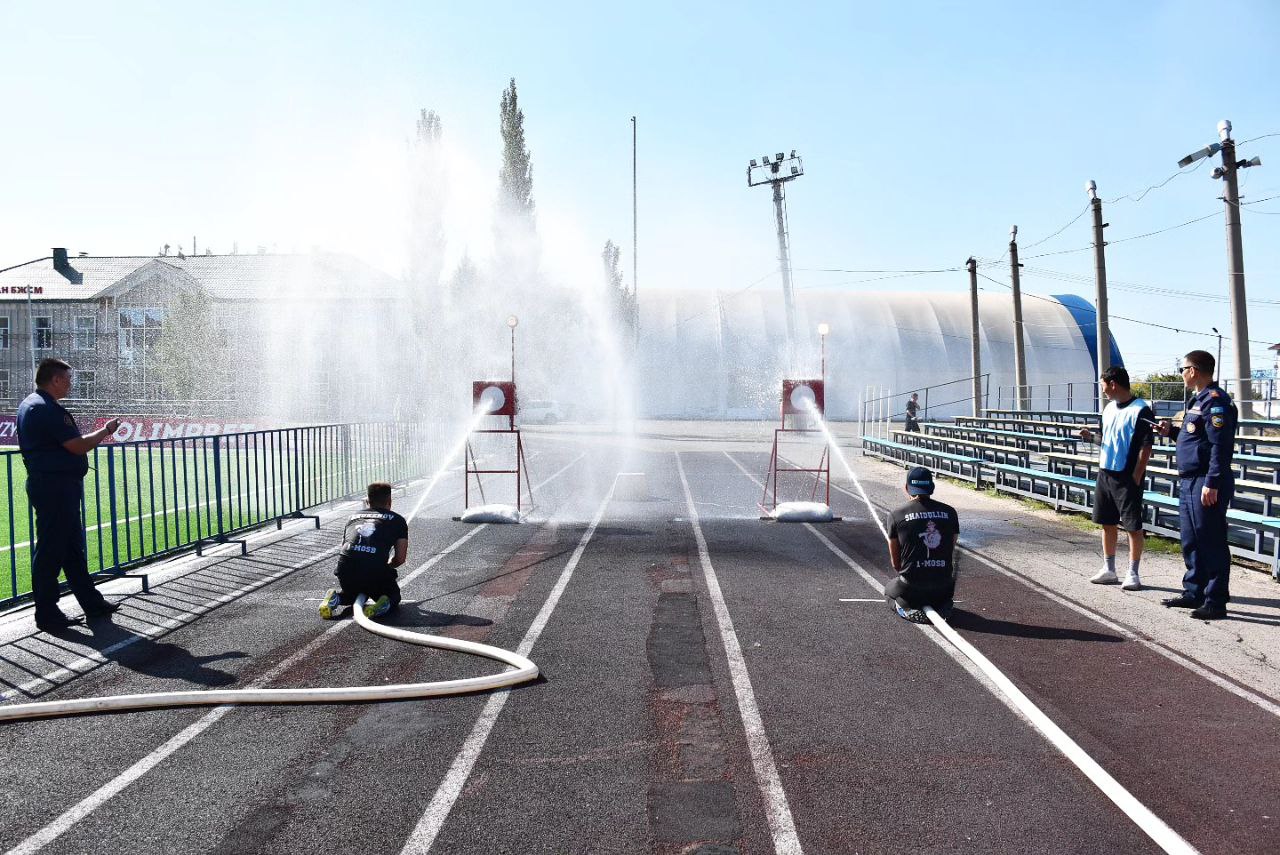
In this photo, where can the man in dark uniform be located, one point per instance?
(55, 455)
(375, 543)
(1206, 484)
(922, 541)
(913, 413)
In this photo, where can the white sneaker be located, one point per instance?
(1132, 582)
(1105, 577)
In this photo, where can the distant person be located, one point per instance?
(56, 459)
(922, 540)
(375, 543)
(1206, 483)
(1127, 437)
(913, 409)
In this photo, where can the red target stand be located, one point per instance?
(797, 421)
(496, 399)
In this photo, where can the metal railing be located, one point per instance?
(882, 406)
(150, 498)
(1171, 395)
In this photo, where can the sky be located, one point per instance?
(926, 129)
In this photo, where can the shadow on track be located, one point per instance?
(963, 620)
(158, 658)
(414, 614)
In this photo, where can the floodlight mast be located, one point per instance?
(778, 171)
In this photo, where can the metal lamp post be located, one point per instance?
(823, 329)
(513, 322)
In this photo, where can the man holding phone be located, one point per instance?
(56, 458)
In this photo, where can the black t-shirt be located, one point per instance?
(926, 533)
(370, 536)
(912, 407)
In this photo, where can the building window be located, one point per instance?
(42, 332)
(86, 384)
(139, 330)
(4, 332)
(85, 333)
(4, 382)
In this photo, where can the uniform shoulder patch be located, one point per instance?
(1218, 421)
(1217, 410)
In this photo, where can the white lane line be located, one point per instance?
(1153, 826)
(1191, 665)
(100, 796)
(432, 820)
(777, 810)
(1255, 698)
(100, 657)
(107, 791)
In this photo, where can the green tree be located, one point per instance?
(1160, 387)
(427, 205)
(515, 179)
(189, 347)
(621, 300)
(515, 227)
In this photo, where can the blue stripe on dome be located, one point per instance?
(1086, 317)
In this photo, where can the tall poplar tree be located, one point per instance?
(515, 227)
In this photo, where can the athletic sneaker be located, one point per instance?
(1132, 582)
(913, 615)
(378, 607)
(330, 604)
(1105, 577)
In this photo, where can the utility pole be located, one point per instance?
(1235, 256)
(635, 251)
(1019, 351)
(777, 172)
(1100, 275)
(973, 328)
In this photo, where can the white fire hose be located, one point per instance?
(524, 670)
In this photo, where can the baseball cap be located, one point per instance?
(920, 482)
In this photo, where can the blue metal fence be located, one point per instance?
(151, 498)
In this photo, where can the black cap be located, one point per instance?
(920, 482)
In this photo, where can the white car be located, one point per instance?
(541, 412)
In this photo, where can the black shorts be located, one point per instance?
(372, 584)
(1118, 501)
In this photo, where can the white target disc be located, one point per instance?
(802, 398)
(492, 399)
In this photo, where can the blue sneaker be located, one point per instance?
(377, 608)
(330, 604)
(913, 615)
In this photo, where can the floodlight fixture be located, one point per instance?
(773, 169)
(1207, 151)
(753, 162)
(1218, 172)
(1253, 161)
(1013, 233)
(1091, 187)
(1224, 130)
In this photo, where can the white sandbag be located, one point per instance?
(802, 512)
(490, 514)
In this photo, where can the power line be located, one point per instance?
(1083, 211)
(1119, 317)
(1139, 196)
(1255, 139)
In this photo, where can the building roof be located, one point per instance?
(226, 277)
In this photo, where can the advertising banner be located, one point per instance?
(136, 429)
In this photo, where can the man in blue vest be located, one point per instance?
(55, 455)
(1122, 469)
(1206, 484)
